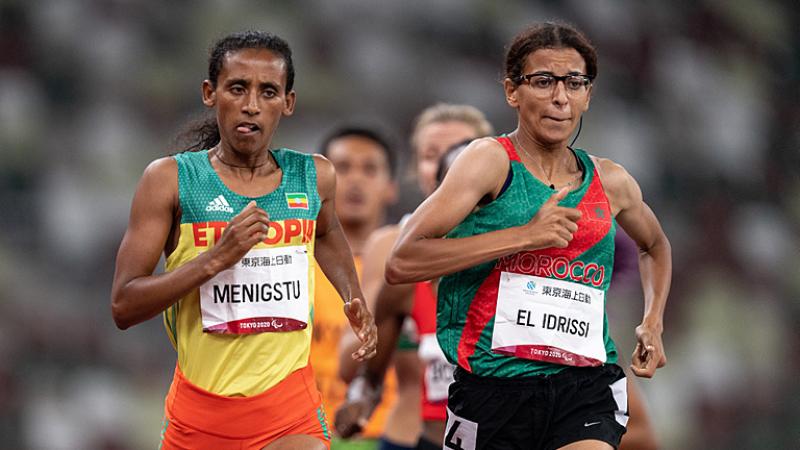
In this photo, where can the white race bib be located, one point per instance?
(544, 319)
(438, 372)
(267, 290)
(460, 433)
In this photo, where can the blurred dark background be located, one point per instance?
(698, 100)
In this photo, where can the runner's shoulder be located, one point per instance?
(324, 166)
(326, 175)
(618, 183)
(483, 157)
(159, 184)
(322, 163)
(162, 170)
(611, 173)
(489, 149)
(165, 165)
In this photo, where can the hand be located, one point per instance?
(248, 228)
(362, 398)
(351, 418)
(649, 353)
(553, 225)
(363, 324)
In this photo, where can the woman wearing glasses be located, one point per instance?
(522, 233)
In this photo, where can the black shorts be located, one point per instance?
(424, 444)
(543, 412)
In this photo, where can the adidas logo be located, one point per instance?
(219, 204)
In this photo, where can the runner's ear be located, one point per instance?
(511, 93)
(209, 94)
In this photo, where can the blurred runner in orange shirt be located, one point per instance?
(365, 187)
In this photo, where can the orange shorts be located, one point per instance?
(195, 419)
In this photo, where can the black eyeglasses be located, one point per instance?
(543, 83)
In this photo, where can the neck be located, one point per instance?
(551, 162)
(357, 233)
(233, 159)
(547, 151)
(548, 157)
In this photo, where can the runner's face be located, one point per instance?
(364, 186)
(250, 98)
(432, 142)
(551, 118)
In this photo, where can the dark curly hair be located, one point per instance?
(552, 35)
(363, 132)
(246, 40)
(205, 133)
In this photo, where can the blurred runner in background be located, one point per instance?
(436, 129)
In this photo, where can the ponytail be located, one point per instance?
(204, 133)
(199, 135)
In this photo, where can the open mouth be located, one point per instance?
(354, 197)
(247, 128)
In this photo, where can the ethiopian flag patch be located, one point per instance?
(297, 200)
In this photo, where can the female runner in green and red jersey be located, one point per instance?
(521, 302)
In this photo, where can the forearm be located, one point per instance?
(388, 336)
(373, 371)
(348, 367)
(421, 259)
(655, 267)
(142, 298)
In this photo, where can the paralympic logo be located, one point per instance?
(530, 288)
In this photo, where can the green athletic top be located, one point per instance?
(467, 302)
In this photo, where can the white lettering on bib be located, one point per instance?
(438, 372)
(544, 319)
(267, 290)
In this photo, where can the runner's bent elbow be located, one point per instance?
(400, 270)
(119, 311)
(394, 273)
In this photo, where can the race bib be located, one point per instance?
(460, 433)
(267, 290)
(438, 372)
(550, 320)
